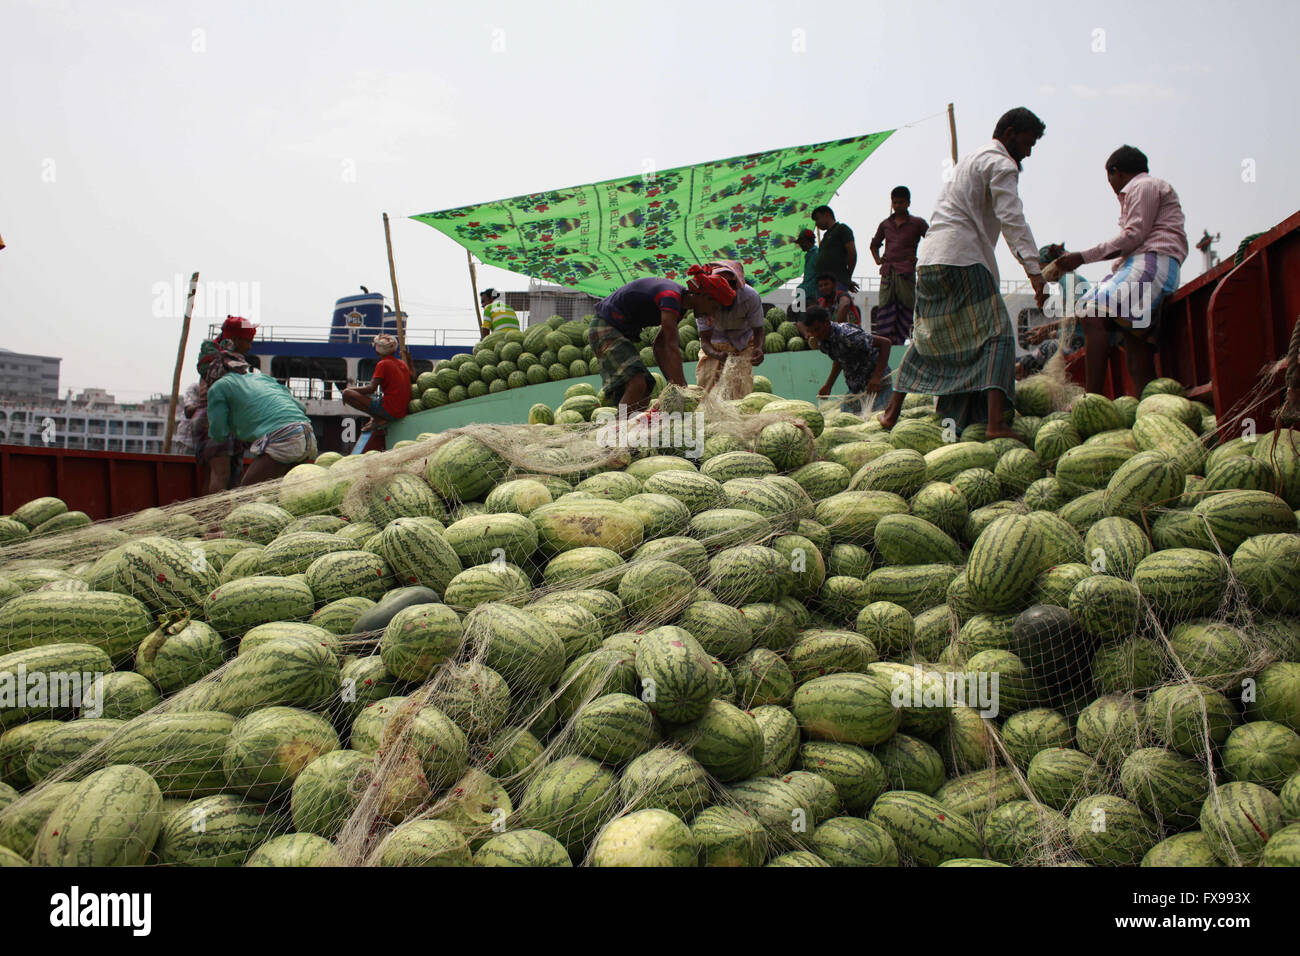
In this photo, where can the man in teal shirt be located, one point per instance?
(257, 408)
(807, 242)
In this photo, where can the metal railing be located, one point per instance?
(325, 334)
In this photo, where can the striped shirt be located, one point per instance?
(981, 201)
(497, 316)
(1150, 220)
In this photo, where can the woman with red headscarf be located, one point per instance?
(641, 304)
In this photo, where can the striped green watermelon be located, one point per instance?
(847, 708)
(111, 818)
(1238, 819)
(661, 515)
(1167, 785)
(677, 679)
(182, 751)
(286, 672)
(296, 849)
(1059, 777)
(529, 848)
(1085, 468)
(341, 616)
(724, 836)
(645, 838)
(910, 763)
(501, 583)
(1234, 516)
(115, 623)
(1092, 413)
(666, 779)
(1276, 696)
(1182, 849)
(163, 574)
(44, 665)
(256, 521)
(780, 733)
(1262, 752)
(849, 841)
(1137, 663)
(1106, 607)
(72, 749)
(914, 588)
(1268, 567)
(1184, 715)
(1021, 832)
(270, 747)
(1182, 583)
(239, 605)
(521, 648)
(923, 829)
(464, 469)
(1281, 450)
(569, 799)
(1111, 831)
(1116, 546)
(726, 741)
(1003, 562)
(425, 843)
(1027, 732)
(613, 729)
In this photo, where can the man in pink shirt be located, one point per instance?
(1147, 254)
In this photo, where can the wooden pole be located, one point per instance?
(180, 360)
(952, 131)
(392, 275)
(473, 284)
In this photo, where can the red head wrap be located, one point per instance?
(703, 282)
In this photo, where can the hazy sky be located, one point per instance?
(258, 142)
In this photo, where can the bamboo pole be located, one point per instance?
(397, 302)
(180, 360)
(473, 284)
(952, 132)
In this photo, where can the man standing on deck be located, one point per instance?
(496, 314)
(836, 254)
(1147, 254)
(256, 408)
(963, 347)
(642, 304)
(732, 337)
(900, 234)
(808, 286)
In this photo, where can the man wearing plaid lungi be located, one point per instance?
(963, 346)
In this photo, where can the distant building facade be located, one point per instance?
(29, 377)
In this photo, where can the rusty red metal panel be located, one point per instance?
(102, 484)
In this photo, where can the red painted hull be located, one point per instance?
(102, 484)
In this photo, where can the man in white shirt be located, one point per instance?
(963, 347)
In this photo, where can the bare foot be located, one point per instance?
(370, 425)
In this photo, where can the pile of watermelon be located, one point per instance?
(554, 351)
(820, 643)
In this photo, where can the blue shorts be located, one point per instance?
(377, 408)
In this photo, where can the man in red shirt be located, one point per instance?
(388, 396)
(899, 234)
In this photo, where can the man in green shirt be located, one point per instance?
(256, 408)
(496, 314)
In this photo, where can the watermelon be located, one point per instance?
(569, 799)
(677, 679)
(286, 671)
(1184, 715)
(1262, 752)
(847, 708)
(1238, 819)
(115, 623)
(849, 841)
(1276, 695)
(725, 836)
(521, 648)
(1021, 832)
(923, 829)
(1233, 516)
(1111, 831)
(1182, 583)
(111, 818)
(1004, 561)
(296, 849)
(1182, 849)
(425, 843)
(530, 848)
(613, 729)
(239, 605)
(1059, 777)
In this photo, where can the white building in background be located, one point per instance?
(92, 421)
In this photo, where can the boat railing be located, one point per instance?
(319, 334)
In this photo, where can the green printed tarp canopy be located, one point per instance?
(600, 236)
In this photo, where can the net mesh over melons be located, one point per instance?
(1107, 740)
